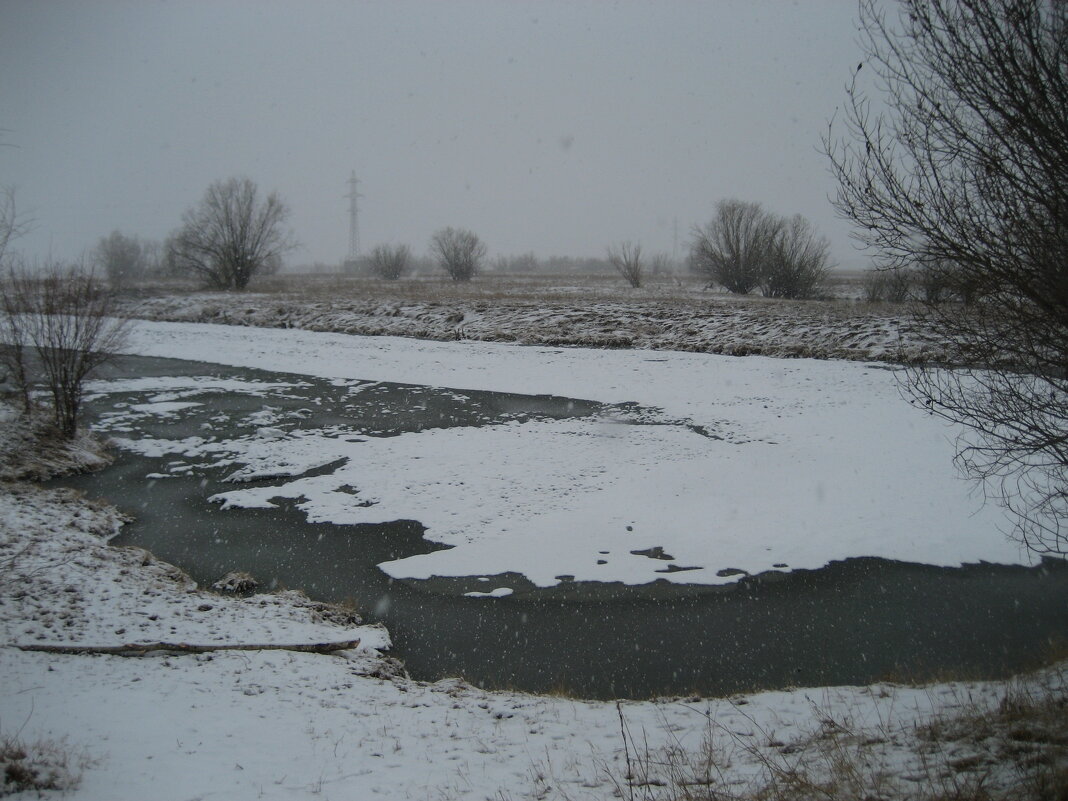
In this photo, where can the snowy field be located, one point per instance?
(728, 466)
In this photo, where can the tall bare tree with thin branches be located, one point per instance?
(963, 166)
(732, 248)
(796, 261)
(231, 235)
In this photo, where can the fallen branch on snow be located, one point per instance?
(140, 649)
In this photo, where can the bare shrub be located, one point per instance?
(459, 252)
(524, 263)
(888, 286)
(38, 766)
(627, 261)
(231, 235)
(12, 335)
(389, 262)
(963, 160)
(797, 261)
(944, 282)
(12, 224)
(67, 316)
(660, 264)
(14, 350)
(121, 257)
(745, 247)
(732, 248)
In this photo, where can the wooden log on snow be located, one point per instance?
(140, 649)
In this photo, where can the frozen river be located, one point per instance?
(292, 441)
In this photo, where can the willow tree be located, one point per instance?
(231, 235)
(953, 161)
(459, 252)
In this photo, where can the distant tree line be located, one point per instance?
(234, 233)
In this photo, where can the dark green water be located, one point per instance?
(851, 622)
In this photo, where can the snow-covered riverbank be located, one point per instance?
(289, 725)
(286, 725)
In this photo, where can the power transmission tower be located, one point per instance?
(675, 246)
(354, 223)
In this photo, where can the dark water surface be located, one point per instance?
(851, 622)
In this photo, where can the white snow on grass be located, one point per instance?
(807, 461)
(59, 542)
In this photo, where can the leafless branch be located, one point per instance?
(627, 261)
(459, 252)
(231, 235)
(964, 180)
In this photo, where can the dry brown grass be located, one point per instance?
(1013, 750)
(32, 450)
(39, 765)
(586, 311)
(535, 288)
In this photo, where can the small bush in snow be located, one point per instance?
(42, 765)
(389, 261)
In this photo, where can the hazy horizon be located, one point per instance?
(552, 128)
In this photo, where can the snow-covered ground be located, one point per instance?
(728, 466)
(800, 446)
(288, 725)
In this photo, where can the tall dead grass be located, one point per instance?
(1015, 749)
(39, 765)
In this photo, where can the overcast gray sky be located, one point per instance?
(551, 127)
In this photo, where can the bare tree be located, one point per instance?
(964, 162)
(660, 264)
(153, 257)
(458, 251)
(889, 286)
(13, 346)
(12, 223)
(524, 263)
(731, 249)
(67, 317)
(796, 262)
(122, 258)
(627, 261)
(231, 235)
(389, 262)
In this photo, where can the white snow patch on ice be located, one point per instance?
(816, 461)
(174, 387)
(500, 592)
